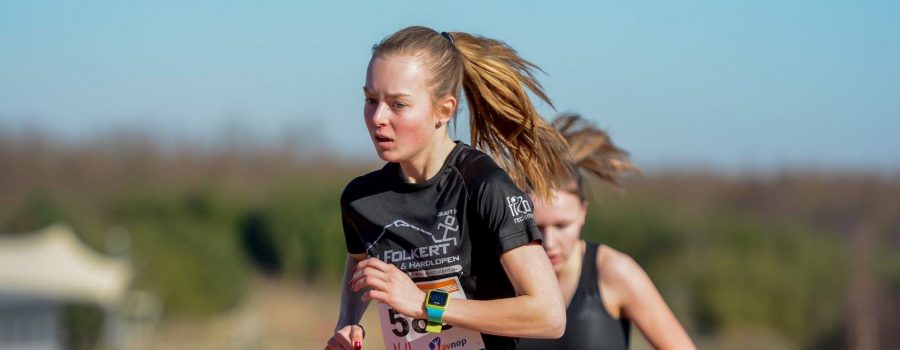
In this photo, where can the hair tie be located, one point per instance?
(448, 36)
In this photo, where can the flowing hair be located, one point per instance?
(591, 151)
(502, 119)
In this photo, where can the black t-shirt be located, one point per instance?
(456, 224)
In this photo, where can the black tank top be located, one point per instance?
(588, 325)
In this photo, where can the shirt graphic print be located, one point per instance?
(452, 227)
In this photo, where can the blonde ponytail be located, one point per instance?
(503, 121)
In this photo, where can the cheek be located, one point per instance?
(570, 235)
(412, 131)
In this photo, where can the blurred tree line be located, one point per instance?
(803, 257)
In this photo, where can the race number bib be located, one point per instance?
(405, 333)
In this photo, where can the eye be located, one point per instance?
(370, 101)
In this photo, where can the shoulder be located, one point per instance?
(620, 273)
(365, 185)
(613, 263)
(476, 167)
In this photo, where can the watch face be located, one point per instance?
(437, 298)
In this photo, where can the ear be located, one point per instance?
(446, 108)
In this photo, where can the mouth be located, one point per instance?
(555, 259)
(383, 140)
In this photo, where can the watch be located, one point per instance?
(435, 304)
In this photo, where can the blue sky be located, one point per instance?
(721, 85)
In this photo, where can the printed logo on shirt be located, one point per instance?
(448, 224)
(436, 344)
(437, 253)
(520, 208)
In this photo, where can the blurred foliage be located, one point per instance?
(37, 209)
(184, 247)
(740, 271)
(82, 324)
(305, 224)
(727, 254)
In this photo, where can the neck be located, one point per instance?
(429, 161)
(573, 263)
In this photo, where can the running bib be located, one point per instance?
(404, 333)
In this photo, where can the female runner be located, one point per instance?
(605, 290)
(442, 237)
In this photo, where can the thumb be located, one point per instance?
(357, 333)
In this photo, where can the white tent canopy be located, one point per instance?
(54, 264)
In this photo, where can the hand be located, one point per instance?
(347, 338)
(390, 286)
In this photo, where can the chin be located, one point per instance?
(388, 155)
(557, 262)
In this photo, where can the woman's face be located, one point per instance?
(560, 222)
(399, 111)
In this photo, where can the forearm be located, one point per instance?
(537, 312)
(643, 304)
(527, 316)
(663, 331)
(352, 306)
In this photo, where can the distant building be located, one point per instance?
(41, 272)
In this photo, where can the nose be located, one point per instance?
(549, 240)
(379, 115)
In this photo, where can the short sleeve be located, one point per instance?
(505, 209)
(349, 219)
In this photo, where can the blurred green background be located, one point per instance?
(796, 259)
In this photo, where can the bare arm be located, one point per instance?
(352, 305)
(538, 310)
(348, 334)
(640, 301)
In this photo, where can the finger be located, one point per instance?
(358, 271)
(372, 262)
(366, 275)
(342, 344)
(375, 283)
(342, 339)
(358, 284)
(357, 275)
(333, 344)
(356, 337)
(375, 295)
(381, 265)
(362, 264)
(354, 280)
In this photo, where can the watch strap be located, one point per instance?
(435, 315)
(435, 319)
(432, 327)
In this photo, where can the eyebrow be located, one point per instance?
(395, 95)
